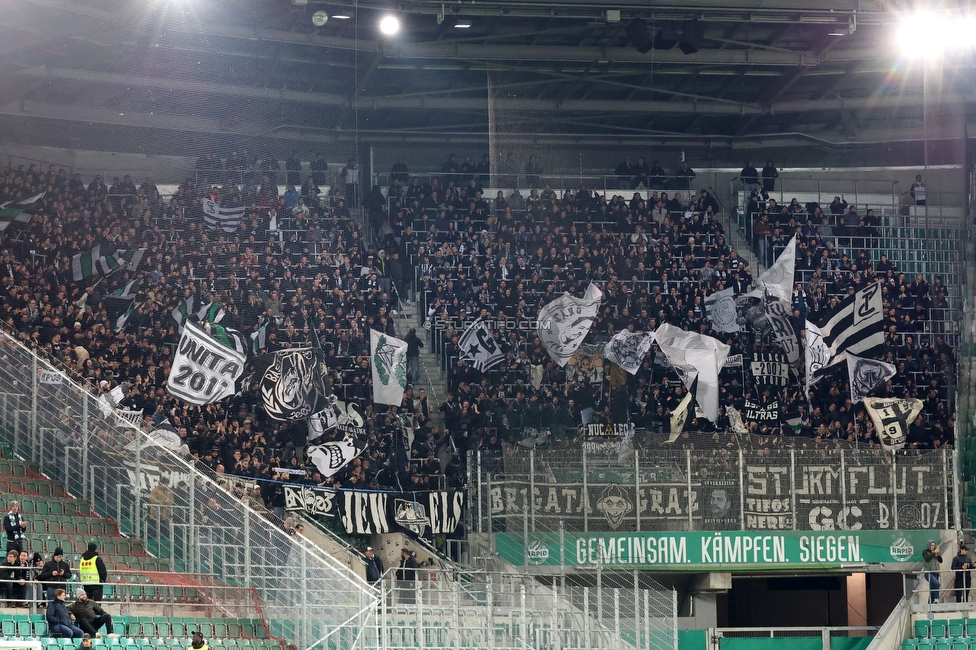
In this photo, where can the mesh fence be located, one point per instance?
(575, 489)
(188, 521)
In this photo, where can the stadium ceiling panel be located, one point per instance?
(755, 69)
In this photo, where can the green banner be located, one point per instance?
(716, 551)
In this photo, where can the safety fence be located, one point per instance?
(155, 494)
(602, 486)
(472, 609)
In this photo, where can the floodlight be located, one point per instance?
(389, 25)
(932, 34)
(462, 24)
(319, 18)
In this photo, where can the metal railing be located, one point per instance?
(110, 463)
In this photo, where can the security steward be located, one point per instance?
(92, 572)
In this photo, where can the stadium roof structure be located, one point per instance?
(778, 71)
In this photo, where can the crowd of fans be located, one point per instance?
(300, 261)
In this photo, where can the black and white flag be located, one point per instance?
(679, 416)
(770, 368)
(721, 310)
(288, 383)
(761, 412)
(778, 314)
(565, 322)
(856, 325)
(479, 347)
(816, 354)
(776, 282)
(628, 349)
(330, 457)
(892, 416)
(218, 218)
(866, 374)
(204, 371)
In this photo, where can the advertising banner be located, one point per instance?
(714, 551)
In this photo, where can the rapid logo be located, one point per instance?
(537, 552)
(902, 549)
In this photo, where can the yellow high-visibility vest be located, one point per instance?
(87, 571)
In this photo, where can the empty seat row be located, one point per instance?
(942, 628)
(65, 525)
(152, 627)
(34, 505)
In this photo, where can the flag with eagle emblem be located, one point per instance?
(388, 360)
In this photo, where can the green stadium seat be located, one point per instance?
(67, 643)
(922, 629)
(909, 644)
(206, 629)
(957, 627)
(40, 628)
(8, 627)
(234, 630)
(939, 628)
(24, 628)
(220, 630)
(960, 644)
(942, 644)
(49, 642)
(178, 629)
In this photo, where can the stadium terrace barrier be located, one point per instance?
(596, 486)
(44, 416)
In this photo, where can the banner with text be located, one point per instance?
(728, 551)
(812, 490)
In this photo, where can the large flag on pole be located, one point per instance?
(816, 355)
(227, 336)
(892, 416)
(866, 374)
(856, 325)
(564, 323)
(13, 212)
(181, 313)
(216, 217)
(91, 262)
(721, 311)
(695, 356)
(83, 264)
(479, 347)
(628, 349)
(212, 312)
(204, 371)
(777, 280)
(289, 383)
(388, 359)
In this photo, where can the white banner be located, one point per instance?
(892, 416)
(695, 355)
(721, 311)
(564, 323)
(204, 371)
(866, 374)
(51, 377)
(777, 281)
(628, 349)
(388, 359)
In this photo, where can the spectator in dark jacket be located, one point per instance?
(414, 343)
(56, 573)
(374, 566)
(89, 615)
(59, 619)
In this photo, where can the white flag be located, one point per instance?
(721, 311)
(777, 280)
(479, 347)
(692, 355)
(330, 457)
(735, 421)
(204, 371)
(866, 374)
(388, 359)
(856, 325)
(892, 416)
(564, 323)
(816, 355)
(679, 416)
(216, 217)
(628, 349)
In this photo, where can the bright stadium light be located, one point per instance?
(932, 34)
(389, 25)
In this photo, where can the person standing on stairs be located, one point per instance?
(414, 343)
(92, 572)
